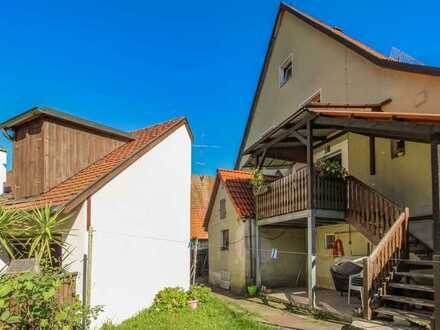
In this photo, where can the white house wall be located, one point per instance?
(76, 240)
(141, 223)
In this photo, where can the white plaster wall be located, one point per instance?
(141, 221)
(3, 162)
(76, 240)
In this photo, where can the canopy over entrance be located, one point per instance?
(286, 143)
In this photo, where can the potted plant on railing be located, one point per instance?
(258, 182)
(330, 169)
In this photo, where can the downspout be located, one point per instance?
(251, 253)
(87, 298)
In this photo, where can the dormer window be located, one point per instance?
(285, 71)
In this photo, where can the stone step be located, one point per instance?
(405, 315)
(414, 287)
(415, 275)
(409, 300)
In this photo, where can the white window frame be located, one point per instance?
(283, 65)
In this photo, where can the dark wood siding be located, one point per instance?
(28, 159)
(48, 151)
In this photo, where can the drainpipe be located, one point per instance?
(88, 275)
(251, 245)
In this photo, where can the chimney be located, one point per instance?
(3, 162)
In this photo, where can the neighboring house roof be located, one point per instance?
(201, 190)
(336, 34)
(76, 189)
(47, 112)
(239, 189)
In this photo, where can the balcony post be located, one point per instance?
(436, 230)
(311, 225)
(257, 255)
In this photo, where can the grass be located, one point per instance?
(212, 315)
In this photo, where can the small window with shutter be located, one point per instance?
(222, 208)
(225, 240)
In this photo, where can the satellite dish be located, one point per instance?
(402, 57)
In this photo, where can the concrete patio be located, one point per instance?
(327, 300)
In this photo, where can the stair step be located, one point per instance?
(407, 315)
(414, 287)
(414, 274)
(409, 300)
(418, 262)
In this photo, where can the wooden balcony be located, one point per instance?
(290, 194)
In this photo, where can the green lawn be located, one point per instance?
(214, 314)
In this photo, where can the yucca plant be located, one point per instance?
(10, 229)
(43, 230)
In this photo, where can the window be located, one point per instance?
(285, 71)
(222, 208)
(330, 241)
(225, 239)
(397, 148)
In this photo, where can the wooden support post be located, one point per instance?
(311, 253)
(436, 231)
(372, 141)
(311, 219)
(366, 308)
(257, 256)
(194, 267)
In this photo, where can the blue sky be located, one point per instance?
(129, 64)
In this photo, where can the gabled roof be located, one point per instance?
(201, 190)
(47, 112)
(239, 189)
(336, 34)
(76, 189)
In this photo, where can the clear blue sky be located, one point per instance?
(129, 64)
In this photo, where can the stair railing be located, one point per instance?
(368, 210)
(382, 262)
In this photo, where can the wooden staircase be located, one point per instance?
(394, 285)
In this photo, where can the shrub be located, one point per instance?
(28, 301)
(200, 293)
(170, 299)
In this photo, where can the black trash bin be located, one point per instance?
(340, 273)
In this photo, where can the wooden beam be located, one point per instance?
(319, 105)
(372, 142)
(436, 230)
(311, 220)
(381, 128)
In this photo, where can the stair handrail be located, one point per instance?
(381, 262)
(374, 212)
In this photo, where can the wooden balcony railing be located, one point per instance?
(369, 211)
(290, 194)
(383, 260)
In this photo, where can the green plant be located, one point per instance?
(330, 168)
(29, 301)
(42, 232)
(200, 293)
(170, 299)
(257, 180)
(9, 230)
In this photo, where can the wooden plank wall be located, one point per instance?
(28, 159)
(48, 151)
(69, 149)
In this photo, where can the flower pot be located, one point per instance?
(252, 290)
(193, 304)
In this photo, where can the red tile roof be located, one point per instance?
(201, 190)
(238, 186)
(78, 187)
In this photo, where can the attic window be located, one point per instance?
(397, 148)
(222, 208)
(285, 71)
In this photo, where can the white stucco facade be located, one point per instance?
(3, 162)
(141, 223)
